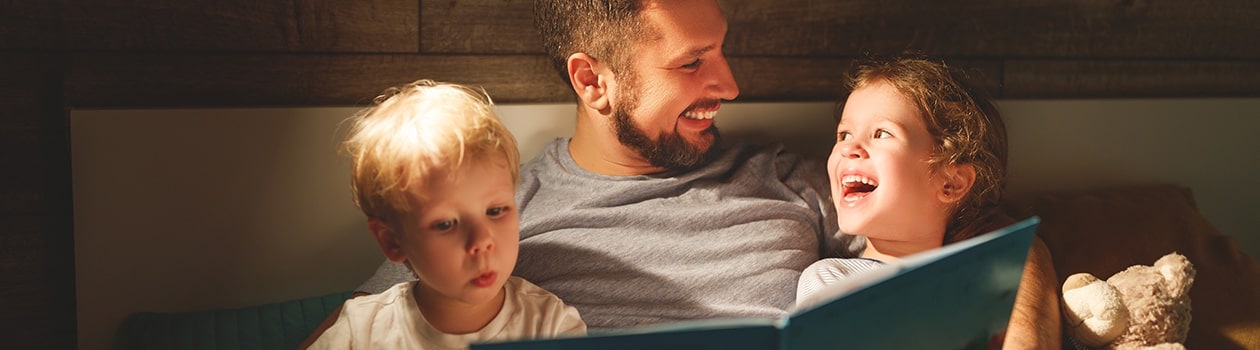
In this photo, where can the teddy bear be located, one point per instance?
(1142, 307)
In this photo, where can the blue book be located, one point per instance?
(957, 297)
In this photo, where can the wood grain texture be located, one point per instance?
(231, 25)
(172, 80)
(990, 28)
(1040, 28)
(168, 80)
(36, 249)
(34, 138)
(37, 295)
(823, 79)
(1130, 79)
(478, 26)
(181, 80)
(31, 25)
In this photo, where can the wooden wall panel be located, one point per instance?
(175, 80)
(38, 290)
(36, 230)
(169, 80)
(789, 79)
(1123, 79)
(991, 28)
(33, 135)
(478, 26)
(31, 25)
(242, 25)
(822, 79)
(1055, 28)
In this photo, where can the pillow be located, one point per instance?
(1104, 231)
(272, 326)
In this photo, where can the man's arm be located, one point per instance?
(1035, 319)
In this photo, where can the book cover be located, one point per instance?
(956, 297)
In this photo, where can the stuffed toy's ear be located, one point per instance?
(1093, 309)
(1178, 272)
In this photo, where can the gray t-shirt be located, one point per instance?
(725, 240)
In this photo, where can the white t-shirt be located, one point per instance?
(392, 320)
(826, 272)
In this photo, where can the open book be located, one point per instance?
(957, 297)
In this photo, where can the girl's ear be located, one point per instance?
(959, 178)
(590, 78)
(387, 238)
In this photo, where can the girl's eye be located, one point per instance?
(882, 134)
(843, 136)
(444, 225)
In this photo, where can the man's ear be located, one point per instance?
(387, 238)
(589, 78)
(959, 178)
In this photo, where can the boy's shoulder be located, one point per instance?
(527, 291)
(536, 312)
(395, 296)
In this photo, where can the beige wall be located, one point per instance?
(211, 208)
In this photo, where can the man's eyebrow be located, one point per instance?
(700, 51)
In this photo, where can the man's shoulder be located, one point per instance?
(548, 157)
(768, 156)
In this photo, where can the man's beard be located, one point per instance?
(670, 150)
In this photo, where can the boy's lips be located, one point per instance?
(485, 279)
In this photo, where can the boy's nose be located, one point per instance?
(480, 240)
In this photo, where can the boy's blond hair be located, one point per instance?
(414, 130)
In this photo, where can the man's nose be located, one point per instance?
(722, 84)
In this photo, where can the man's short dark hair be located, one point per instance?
(607, 30)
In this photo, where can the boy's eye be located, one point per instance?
(882, 134)
(444, 225)
(843, 136)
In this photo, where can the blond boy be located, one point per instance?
(435, 172)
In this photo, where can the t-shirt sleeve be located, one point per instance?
(569, 322)
(337, 336)
(387, 275)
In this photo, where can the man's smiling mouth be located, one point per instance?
(698, 115)
(702, 110)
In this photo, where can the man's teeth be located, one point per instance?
(700, 115)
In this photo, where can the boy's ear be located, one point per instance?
(958, 181)
(589, 78)
(387, 238)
